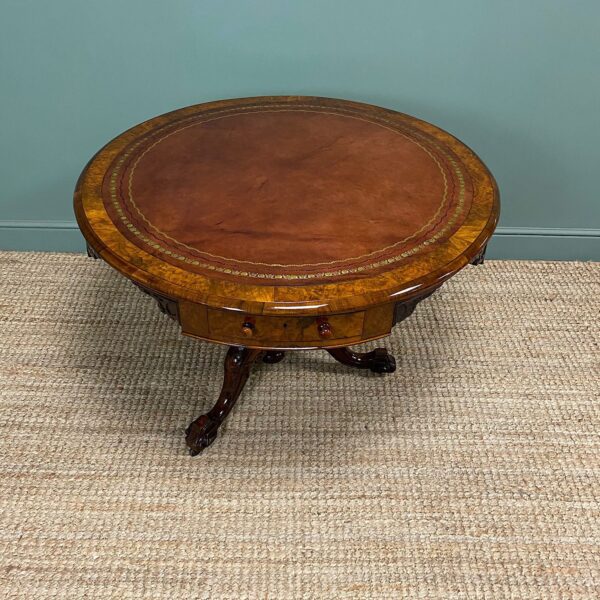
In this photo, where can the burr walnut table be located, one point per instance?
(285, 223)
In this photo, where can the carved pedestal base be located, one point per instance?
(378, 360)
(202, 432)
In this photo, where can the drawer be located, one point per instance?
(272, 331)
(242, 328)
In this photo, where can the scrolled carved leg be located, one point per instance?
(273, 356)
(378, 360)
(202, 432)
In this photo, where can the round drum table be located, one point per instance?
(284, 223)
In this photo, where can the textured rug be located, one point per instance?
(472, 472)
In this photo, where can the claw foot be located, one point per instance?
(200, 434)
(381, 361)
(378, 360)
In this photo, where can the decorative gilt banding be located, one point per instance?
(127, 203)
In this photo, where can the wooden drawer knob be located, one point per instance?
(325, 330)
(247, 329)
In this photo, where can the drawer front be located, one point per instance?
(225, 325)
(268, 331)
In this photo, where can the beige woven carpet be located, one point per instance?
(472, 472)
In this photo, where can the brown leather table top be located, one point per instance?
(290, 191)
(286, 192)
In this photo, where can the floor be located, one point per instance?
(472, 472)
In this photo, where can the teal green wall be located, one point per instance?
(519, 81)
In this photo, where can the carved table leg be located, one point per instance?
(202, 432)
(378, 360)
(273, 356)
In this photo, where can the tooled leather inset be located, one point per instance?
(286, 192)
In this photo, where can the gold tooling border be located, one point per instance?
(119, 164)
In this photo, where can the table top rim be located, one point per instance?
(398, 283)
